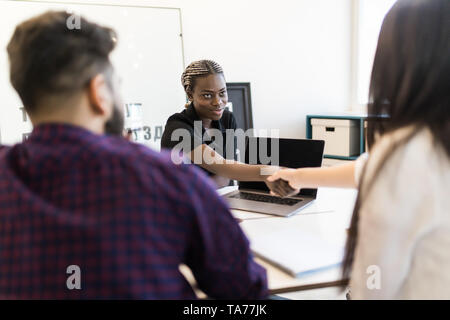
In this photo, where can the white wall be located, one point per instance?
(295, 53)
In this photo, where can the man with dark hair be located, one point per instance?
(51, 66)
(84, 214)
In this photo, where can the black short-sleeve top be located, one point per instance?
(187, 119)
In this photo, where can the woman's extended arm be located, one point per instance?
(207, 158)
(342, 176)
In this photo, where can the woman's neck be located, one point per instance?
(207, 123)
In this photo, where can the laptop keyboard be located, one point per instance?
(266, 198)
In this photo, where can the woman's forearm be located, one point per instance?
(342, 176)
(237, 171)
(231, 169)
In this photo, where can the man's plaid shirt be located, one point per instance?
(125, 215)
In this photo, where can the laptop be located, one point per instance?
(293, 153)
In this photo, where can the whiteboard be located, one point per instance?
(148, 58)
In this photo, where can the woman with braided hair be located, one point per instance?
(205, 87)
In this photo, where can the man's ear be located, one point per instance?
(100, 96)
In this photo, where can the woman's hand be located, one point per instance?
(280, 188)
(289, 176)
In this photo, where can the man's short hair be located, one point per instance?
(48, 58)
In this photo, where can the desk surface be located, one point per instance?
(328, 217)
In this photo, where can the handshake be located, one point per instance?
(282, 182)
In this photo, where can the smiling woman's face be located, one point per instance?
(210, 96)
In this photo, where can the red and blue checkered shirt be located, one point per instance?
(125, 215)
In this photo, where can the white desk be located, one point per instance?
(328, 217)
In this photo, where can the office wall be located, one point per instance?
(295, 53)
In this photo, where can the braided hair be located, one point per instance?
(198, 69)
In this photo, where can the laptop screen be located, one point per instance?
(293, 153)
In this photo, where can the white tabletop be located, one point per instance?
(328, 217)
